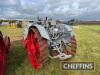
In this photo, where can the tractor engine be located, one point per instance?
(59, 35)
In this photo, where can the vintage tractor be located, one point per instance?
(48, 40)
(4, 49)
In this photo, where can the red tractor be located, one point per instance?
(4, 49)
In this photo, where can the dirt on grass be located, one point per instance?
(98, 31)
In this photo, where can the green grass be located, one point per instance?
(98, 27)
(88, 50)
(94, 27)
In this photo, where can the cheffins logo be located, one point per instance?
(77, 65)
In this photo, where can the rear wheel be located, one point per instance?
(7, 43)
(70, 48)
(37, 48)
(2, 56)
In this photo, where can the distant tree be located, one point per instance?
(0, 21)
(19, 24)
(71, 22)
(12, 21)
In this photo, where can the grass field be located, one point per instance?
(88, 50)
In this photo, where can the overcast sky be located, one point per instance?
(60, 9)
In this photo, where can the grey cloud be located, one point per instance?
(80, 9)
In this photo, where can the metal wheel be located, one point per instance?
(70, 48)
(7, 43)
(37, 48)
(2, 56)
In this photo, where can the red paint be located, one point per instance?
(24, 42)
(2, 56)
(4, 47)
(33, 50)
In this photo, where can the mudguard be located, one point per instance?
(41, 29)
